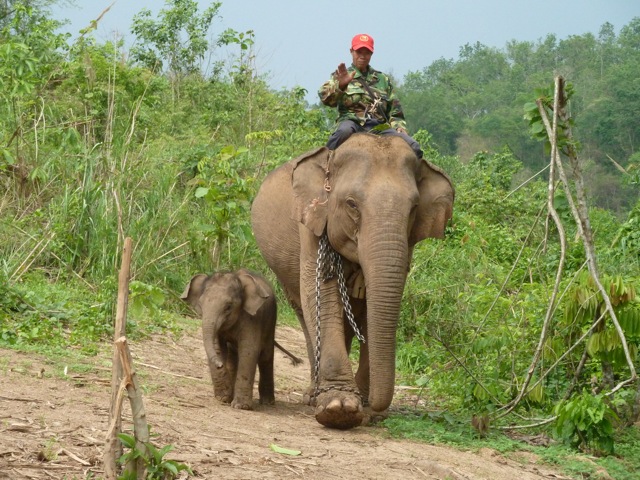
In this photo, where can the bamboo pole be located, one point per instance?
(140, 427)
(112, 446)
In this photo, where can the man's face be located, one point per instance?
(361, 58)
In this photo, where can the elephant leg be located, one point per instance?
(221, 380)
(266, 386)
(294, 301)
(337, 400)
(246, 374)
(362, 374)
(231, 364)
(307, 395)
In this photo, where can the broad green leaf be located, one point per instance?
(201, 192)
(127, 440)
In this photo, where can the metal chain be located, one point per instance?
(320, 265)
(342, 287)
(328, 263)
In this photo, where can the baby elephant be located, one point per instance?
(238, 311)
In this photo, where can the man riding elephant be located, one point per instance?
(365, 99)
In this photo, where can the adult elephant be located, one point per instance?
(374, 200)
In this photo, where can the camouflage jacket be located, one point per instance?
(357, 105)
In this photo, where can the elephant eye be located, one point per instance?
(352, 203)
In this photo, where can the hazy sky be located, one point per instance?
(300, 42)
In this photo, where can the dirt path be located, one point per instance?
(52, 427)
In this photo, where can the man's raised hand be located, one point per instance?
(343, 76)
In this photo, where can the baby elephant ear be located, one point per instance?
(193, 290)
(255, 292)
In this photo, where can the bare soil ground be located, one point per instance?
(52, 425)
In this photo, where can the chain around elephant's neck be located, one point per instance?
(328, 264)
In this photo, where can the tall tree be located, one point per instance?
(177, 40)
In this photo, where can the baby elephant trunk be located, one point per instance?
(212, 345)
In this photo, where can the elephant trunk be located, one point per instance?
(211, 339)
(385, 272)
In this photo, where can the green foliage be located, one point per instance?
(537, 127)
(586, 421)
(177, 40)
(53, 315)
(225, 192)
(585, 304)
(447, 428)
(628, 235)
(22, 77)
(95, 148)
(474, 102)
(144, 298)
(497, 169)
(156, 466)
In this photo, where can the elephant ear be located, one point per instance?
(193, 290)
(436, 203)
(255, 293)
(310, 203)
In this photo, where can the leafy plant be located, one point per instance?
(586, 421)
(156, 466)
(177, 40)
(584, 306)
(144, 296)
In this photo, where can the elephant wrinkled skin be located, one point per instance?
(239, 312)
(375, 200)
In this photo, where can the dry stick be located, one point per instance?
(569, 350)
(116, 373)
(525, 182)
(168, 373)
(573, 383)
(552, 132)
(140, 427)
(24, 266)
(582, 220)
(151, 262)
(581, 217)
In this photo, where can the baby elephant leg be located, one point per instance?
(266, 387)
(245, 377)
(221, 378)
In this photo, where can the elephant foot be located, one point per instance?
(339, 409)
(241, 405)
(308, 397)
(226, 398)
(268, 400)
(372, 418)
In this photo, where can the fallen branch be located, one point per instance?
(74, 456)
(148, 365)
(16, 399)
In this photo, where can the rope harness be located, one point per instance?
(328, 265)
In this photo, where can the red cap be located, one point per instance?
(362, 40)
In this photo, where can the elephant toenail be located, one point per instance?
(335, 405)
